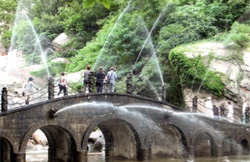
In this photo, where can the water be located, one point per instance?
(204, 79)
(120, 16)
(154, 90)
(128, 111)
(99, 157)
(42, 52)
(151, 44)
(134, 111)
(20, 19)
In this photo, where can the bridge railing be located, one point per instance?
(48, 92)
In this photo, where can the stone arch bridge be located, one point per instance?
(134, 128)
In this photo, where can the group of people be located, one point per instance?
(101, 79)
(226, 110)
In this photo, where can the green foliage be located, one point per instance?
(122, 46)
(91, 3)
(6, 38)
(187, 70)
(7, 14)
(239, 35)
(55, 68)
(50, 25)
(75, 87)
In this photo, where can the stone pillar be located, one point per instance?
(82, 156)
(20, 157)
(91, 82)
(129, 83)
(218, 151)
(4, 99)
(163, 91)
(190, 152)
(195, 103)
(51, 88)
(144, 154)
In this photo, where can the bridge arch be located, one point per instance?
(6, 150)
(205, 142)
(10, 139)
(174, 143)
(122, 134)
(230, 146)
(61, 141)
(244, 141)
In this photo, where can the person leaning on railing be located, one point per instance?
(29, 90)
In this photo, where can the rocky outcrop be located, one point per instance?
(235, 74)
(59, 41)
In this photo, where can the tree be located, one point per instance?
(91, 3)
(7, 14)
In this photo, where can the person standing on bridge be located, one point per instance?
(209, 107)
(29, 90)
(244, 108)
(111, 77)
(86, 78)
(230, 114)
(100, 76)
(63, 84)
(216, 112)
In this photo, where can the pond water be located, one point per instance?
(41, 156)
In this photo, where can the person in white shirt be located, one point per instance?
(230, 114)
(244, 106)
(111, 77)
(63, 85)
(209, 107)
(29, 90)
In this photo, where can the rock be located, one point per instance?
(74, 77)
(30, 145)
(61, 60)
(59, 41)
(39, 138)
(205, 48)
(246, 58)
(220, 66)
(245, 83)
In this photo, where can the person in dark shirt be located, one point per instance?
(216, 111)
(99, 79)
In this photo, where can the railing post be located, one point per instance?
(129, 83)
(163, 91)
(4, 99)
(51, 88)
(91, 82)
(195, 103)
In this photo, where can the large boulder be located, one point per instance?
(61, 60)
(39, 138)
(59, 41)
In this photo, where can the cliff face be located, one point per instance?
(232, 65)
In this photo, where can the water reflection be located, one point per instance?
(42, 156)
